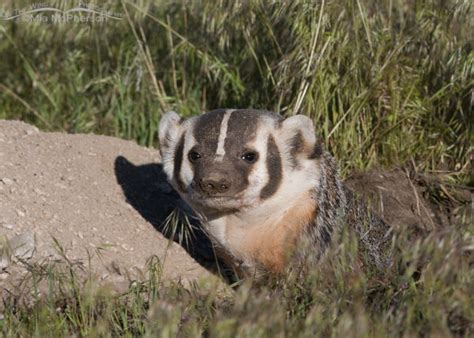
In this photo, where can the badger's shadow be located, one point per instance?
(147, 190)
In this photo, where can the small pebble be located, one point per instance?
(24, 245)
(7, 181)
(59, 185)
(39, 192)
(30, 132)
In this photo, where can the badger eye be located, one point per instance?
(194, 156)
(250, 157)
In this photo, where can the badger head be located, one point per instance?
(226, 161)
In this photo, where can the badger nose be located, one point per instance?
(214, 185)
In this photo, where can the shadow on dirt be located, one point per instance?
(148, 191)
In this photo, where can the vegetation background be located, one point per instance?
(384, 81)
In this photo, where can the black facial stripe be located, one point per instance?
(274, 169)
(207, 129)
(178, 160)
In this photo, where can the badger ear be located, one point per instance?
(168, 131)
(299, 137)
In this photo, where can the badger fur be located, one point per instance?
(262, 185)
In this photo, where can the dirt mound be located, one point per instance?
(405, 198)
(101, 198)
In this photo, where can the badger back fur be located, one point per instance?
(262, 185)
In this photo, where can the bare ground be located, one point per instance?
(98, 196)
(105, 200)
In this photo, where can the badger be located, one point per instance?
(263, 187)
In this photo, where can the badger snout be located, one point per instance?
(214, 185)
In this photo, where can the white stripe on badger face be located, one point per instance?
(220, 152)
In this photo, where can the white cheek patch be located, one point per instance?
(181, 138)
(220, 152)
(167, 159)
(295, 181)
(304, 179)
(258, 177)
(187, 174)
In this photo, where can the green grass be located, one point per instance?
(429, 294)
(384, 81)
